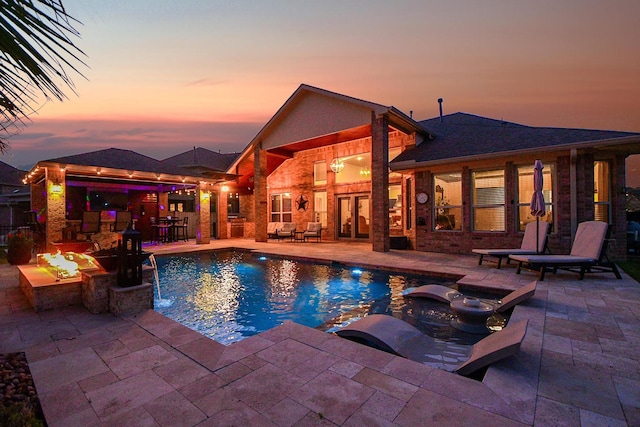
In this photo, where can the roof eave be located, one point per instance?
(412, 164)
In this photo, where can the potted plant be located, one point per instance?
(20, 245)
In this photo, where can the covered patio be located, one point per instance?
(114, 181)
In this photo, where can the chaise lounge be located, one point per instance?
(588, 254)
(399, 337)
(447, 295)
(528, 246)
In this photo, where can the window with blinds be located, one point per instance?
(488, 200)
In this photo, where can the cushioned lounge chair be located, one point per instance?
(448, 295)
(399, 337)
(313, 231)
(588, 254)
(528, 246)
(272, 229)
(287, 231)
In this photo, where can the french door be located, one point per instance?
(353, 216)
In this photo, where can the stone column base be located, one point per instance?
(130, 300)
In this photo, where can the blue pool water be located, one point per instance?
(232, 295)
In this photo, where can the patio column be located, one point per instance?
(203, 219)
(223, 214)
(55, 205)
(380, 183)
(260, 192)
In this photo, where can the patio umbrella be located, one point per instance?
(537, 200)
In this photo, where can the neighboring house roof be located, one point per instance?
(117, 158)
(204, 158)
(10, 175)
(462, 136)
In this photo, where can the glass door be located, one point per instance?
(353, 216)
(345, 228)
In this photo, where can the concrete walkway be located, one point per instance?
(579, 363)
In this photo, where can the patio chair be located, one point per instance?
(272, 229)
(447, 295)
(123, 219)
(313, 231)
(528, 246)
(288, 231)
(400, 338)
(181, 229)
(160, 232)
(90, 224)
(588, 254)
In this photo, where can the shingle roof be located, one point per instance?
(462, 135)
(117, 158)
(202, 157)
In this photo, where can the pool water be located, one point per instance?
(232, 295)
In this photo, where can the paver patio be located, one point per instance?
(579, 363)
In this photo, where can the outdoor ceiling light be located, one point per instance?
(337, 165)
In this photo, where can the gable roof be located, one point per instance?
(463, 136)
(313, 117)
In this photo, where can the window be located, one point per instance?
(525, 192)
(233, 205)
(281, 207)
(320, 173)
(320, 207)
(395, 206)
(447, 201)
(601, 191)
(354, 168)
(488, 200)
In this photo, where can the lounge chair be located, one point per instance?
(399, 337)
(446, 294)
(588, 254)
(528, 246)
(313, 231)
(288, 231)
(272, 229)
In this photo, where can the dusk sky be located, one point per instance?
(166, 75)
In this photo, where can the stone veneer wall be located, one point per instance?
(130, 300)
(96, 290)
(56, 295)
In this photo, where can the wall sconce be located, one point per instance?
(337, 165)
(98, 171)
(56, 188)
(225, 188)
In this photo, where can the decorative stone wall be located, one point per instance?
(130, 300)
(51, 295)
(95, 290)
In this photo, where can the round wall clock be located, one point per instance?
(302, 202)
(422, 197)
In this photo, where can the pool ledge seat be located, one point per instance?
(447, 295)
(399, 337)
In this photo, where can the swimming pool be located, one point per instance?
(231, 295)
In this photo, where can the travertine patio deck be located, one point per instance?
(579, 364)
